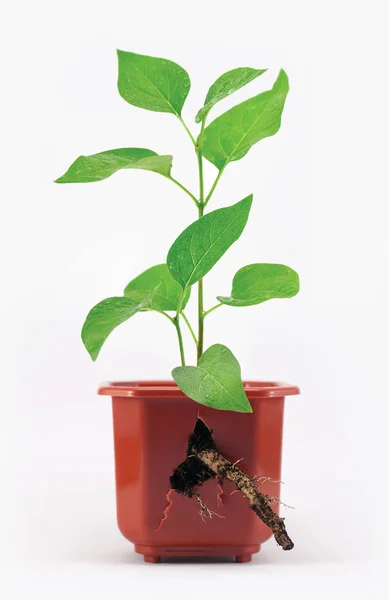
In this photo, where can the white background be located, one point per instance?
(320, 206)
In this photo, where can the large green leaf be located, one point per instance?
(204, 242)
(257, 283)
(225, 85)
(168, 294)
(230, 136)
(216, 381)
(105, 316)
(97, 167)
(152, 83)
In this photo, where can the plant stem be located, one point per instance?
(176, 321)
(200, 308)
(211, 309)
(189, 327)
(201, 182)
(200, 301)
(200, 342)
(184, 189)
(200, 205)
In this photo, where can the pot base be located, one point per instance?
(153, 554)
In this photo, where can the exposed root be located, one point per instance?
(262, 480)
(166, 510)
(206, 512)
(274, 501)
(219, 497)
(204, 462)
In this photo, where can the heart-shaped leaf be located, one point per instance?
(257, 283)
(204, 242)
(168, 294)
(152, 83)
(105, 316)
(225, 85)
(216, 381)
(97, 167)
(230, 136)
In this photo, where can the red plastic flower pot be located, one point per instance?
(152, 422)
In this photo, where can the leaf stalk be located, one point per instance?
(189, 327)
(207, 312)
(213, 186)
(187, 130)
(185, 190)
(176, 322)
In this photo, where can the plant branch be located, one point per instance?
(189, 327)
(212, 309)
(184, 189)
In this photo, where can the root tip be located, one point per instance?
(289, 546)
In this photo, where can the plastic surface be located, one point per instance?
(152, 422)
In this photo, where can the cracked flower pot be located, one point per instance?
(152, 423)
(182, 448)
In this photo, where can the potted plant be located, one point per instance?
(206, 434)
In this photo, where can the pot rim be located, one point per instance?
(169, 389)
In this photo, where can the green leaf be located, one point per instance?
(216, 381)
(227, 84)
(105, 316)
(257, 283)
(204, 242)
(230, 136)
(97, 167)
(168, 294)
(152, 83)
